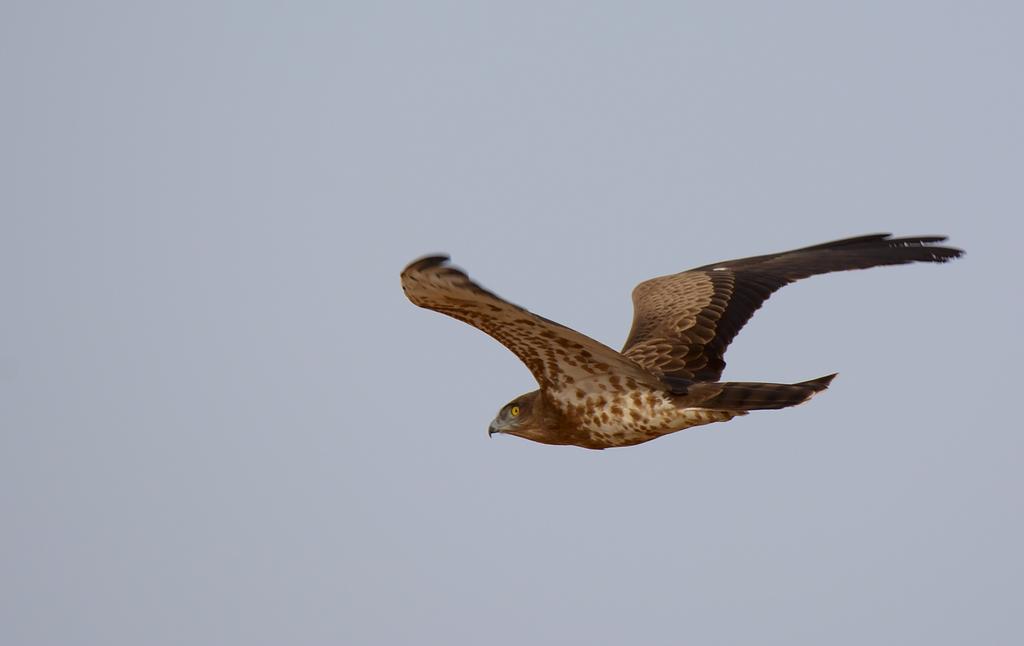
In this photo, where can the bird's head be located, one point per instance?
(523, 416)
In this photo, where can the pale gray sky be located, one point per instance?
(222, 423)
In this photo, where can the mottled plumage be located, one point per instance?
(666, 377)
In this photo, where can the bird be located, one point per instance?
(667, 376)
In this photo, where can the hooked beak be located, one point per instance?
(492, 429)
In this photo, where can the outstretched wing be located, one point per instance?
(558, 357)
(683, 323)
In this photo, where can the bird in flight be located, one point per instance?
(666, 378)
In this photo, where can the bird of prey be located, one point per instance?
(666, 378)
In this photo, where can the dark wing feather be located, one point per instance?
(683, 323)
(558, 357)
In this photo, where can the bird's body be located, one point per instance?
(666, 377)
(610, 415)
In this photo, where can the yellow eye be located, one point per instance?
(514, 411)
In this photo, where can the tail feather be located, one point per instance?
(743, 396)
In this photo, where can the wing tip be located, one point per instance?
(928, 242)
(427, 262)
(936, 253)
